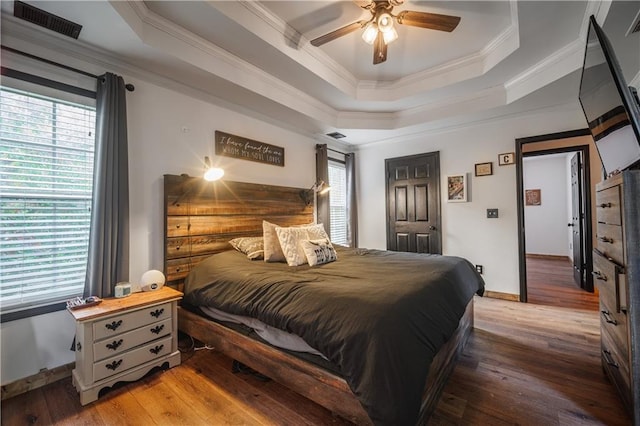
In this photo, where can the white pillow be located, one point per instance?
(290, 241)
(318, 251)
(253, 247)
(272, 250)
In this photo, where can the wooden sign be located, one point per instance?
(248, 149)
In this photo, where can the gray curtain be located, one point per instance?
(352, 207)
(322, 174)
(108, 261)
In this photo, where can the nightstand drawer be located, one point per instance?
(133, 358)
(609, 242)
(122, 323)
(608, 206)
(615, 325)
(125, 341)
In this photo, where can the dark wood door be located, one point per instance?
(577, 221)
(413, 203)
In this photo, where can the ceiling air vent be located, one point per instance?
(336, 135)
(45, 19)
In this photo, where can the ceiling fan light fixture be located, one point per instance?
(390, 35)
(370, 33)
(384, 21)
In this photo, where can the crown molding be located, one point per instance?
(562, 62)
(162, 34)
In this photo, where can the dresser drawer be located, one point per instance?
(119, 324)
(609, 242)
(617, 366)
(133, 358)
(125, 341)
(608, 206)
(605, 276)
(616, 326)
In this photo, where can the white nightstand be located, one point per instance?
(121, 340)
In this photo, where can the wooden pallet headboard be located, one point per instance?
(201, 217)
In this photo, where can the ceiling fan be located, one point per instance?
(380, 31)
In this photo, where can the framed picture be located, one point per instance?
(484, 169)
(506, 159)
(532, 197)
(457, 188)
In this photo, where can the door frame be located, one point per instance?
(438, 221)
(587, 235)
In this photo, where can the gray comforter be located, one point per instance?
(379, 316)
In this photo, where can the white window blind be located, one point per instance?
(46, 178)
(338, 202)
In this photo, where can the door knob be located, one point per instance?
(432, 228)
(570, 224)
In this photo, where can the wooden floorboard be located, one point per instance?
(525, 364)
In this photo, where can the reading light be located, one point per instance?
(320, 187)
(211, 173)
(370, 33)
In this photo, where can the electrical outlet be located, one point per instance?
(479, 268)
(492, 213)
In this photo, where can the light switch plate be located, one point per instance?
(492, 213)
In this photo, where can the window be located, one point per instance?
(46, 178)
(338, 202)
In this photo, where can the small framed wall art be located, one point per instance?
(484, 169)
(506, 159)
(532, 197)
(457, 188)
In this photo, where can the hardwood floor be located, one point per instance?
(524, 364)
(550, 283)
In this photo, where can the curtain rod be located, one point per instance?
(129, 87)
(334, 150)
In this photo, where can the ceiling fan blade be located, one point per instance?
(379, 49)
(432, 21)
(338, 33)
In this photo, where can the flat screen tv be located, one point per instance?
(611, 107)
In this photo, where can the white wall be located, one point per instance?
(466, 231)
(546, 224)
(169, 133)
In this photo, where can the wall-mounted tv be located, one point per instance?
(611, 107)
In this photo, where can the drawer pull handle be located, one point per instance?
(157, 329)
(115, 345)
(114, 365)
(606, 240)
(178, 269)
(607, 317)
(157, 313)
(605, 205)
(156, 350)
(177, 248)
(599, 275)
(114, 325)
(177, 226)
(609, 360)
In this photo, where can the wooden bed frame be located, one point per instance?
(200, 219)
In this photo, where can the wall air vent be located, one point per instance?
(45, 19)
(336, 135)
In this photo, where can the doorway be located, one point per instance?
(554, 218)
(413, 203)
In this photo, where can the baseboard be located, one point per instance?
(548, 256)
(36, 381)
(503, 296)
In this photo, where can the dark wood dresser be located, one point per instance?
(616, 269)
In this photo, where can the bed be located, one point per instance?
(333, 307)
